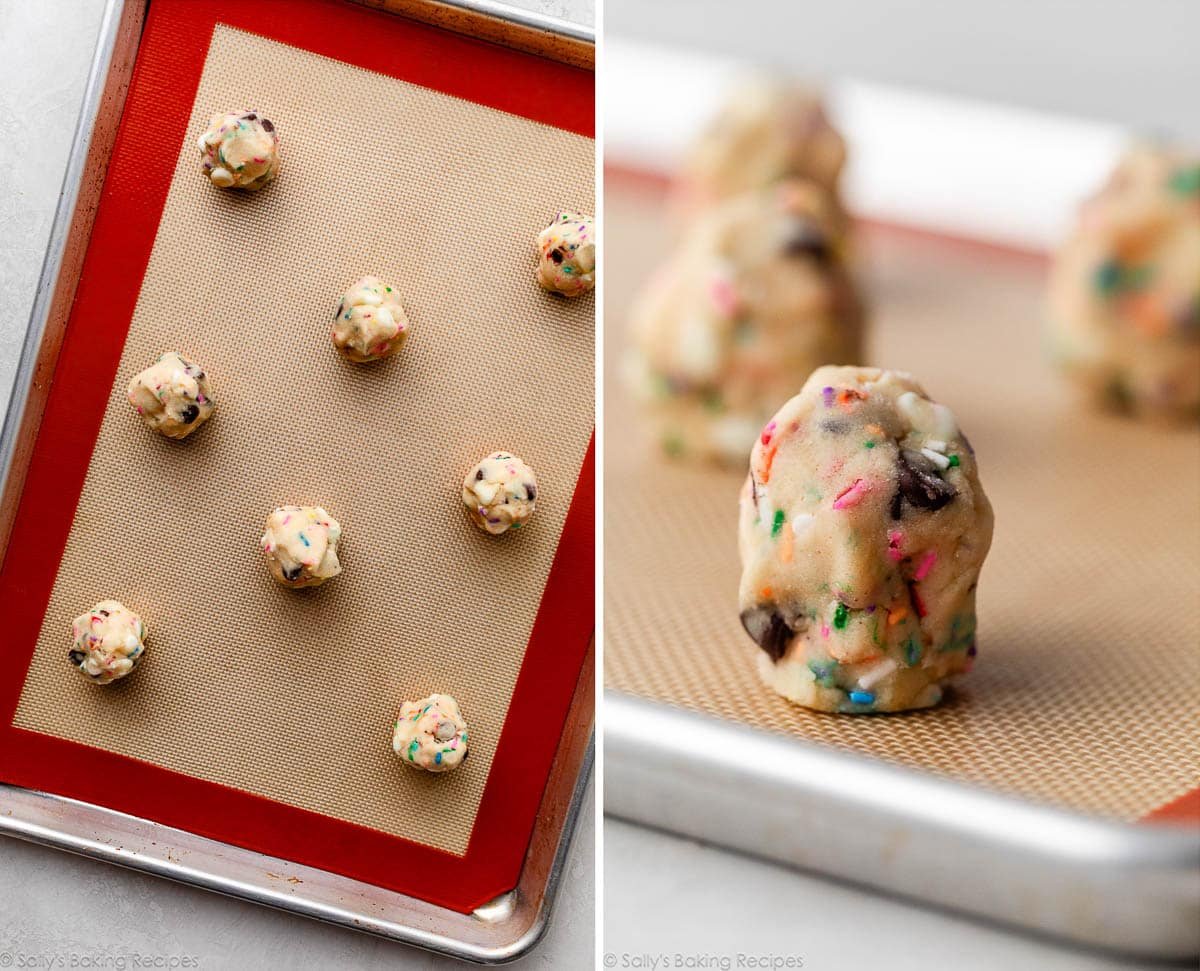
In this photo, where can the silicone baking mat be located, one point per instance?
(262, 716)
(1084, 694)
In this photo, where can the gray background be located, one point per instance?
(1127, 61)
(55, 904)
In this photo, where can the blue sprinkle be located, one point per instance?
(304, 540)
(438, 758)
(862, 697)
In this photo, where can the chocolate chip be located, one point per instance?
(189, 414)
(768, 629)
(250, 116)
(337, 313)
(556, 255)
(292, 574)
(479, 475)
(75, 657)
(919, 483)
(531, 492)
(805, 238)
(267, 126)
(102, 613)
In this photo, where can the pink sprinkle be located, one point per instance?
(852, 495)
(723, 296)
(825, 631)
(286, 519)
(767, 433)
(926, 565)
(895, 538)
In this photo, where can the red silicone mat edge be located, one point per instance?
(174, 46)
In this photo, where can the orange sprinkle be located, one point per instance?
(897, 615)
(768, 458)
(785, 544)
(847, 396)
(875, 430)
(765, 593)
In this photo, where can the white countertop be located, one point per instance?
(59, 908)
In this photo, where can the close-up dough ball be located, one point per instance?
(301, 543)
(567, 255)
(239, 151)
(500, 493)
(757, 296)
(863, 528)
(107, 642)
(768, 130)
(370, 323)
(172, 396)
(430, 734)
(1125, 289)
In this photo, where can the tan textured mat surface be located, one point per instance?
(1085, 692)
(289, 694)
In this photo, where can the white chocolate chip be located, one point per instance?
(802, 523)
(937, 458)
(877, 672)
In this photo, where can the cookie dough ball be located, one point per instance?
(1125, 289)
(567, 255)
(757, 296)
(431, 734)
(172, 395)
(770, 129)
(862, 532)
(239, 151)
(107, 642)
(500, 493)
(301, 545)
(370, 324)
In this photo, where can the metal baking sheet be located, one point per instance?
(1062, 737)
(498, 930)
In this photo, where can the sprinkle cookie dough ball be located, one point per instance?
(567, 255)
(107, 642)
(862, 532)
(171, 395)
(239, 151)
(370, 324)
(431, 734)
(500, 493)
(301, 545)
(770, 129)
(1125, 289)
(757, 296)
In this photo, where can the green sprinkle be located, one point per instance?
(777, 523)
(823, 672)
(954, 462)
(1108, 276)
(515, 526)
(388, 289)
(1186, 181)
(868, 444)
(840, 615)
(912, 652)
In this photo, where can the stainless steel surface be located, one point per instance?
(527, 18)
(1128, 888)
(498, 932)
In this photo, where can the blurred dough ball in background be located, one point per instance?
(757, 296)
(1125, 288)
(769, 129)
